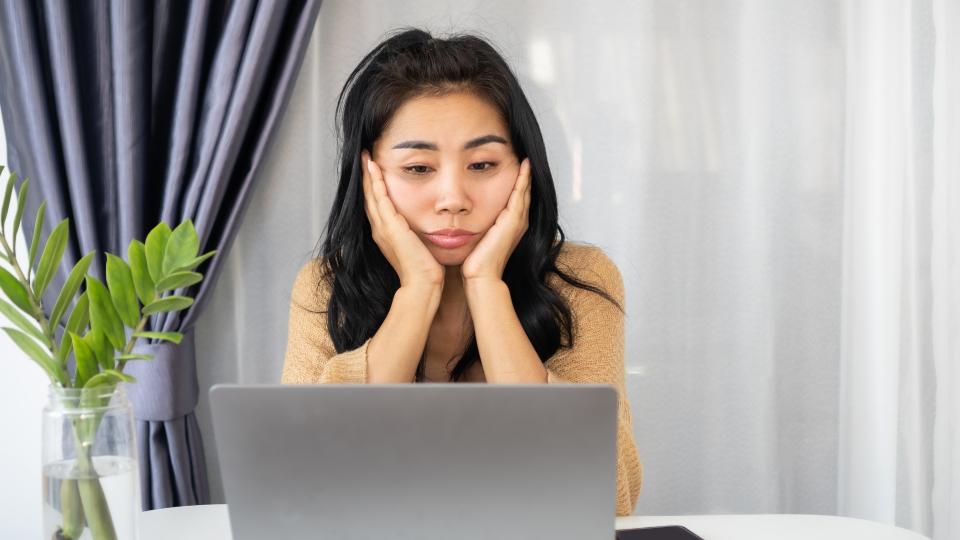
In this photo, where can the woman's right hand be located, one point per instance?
(404, 250)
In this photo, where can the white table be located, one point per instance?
(212, 523)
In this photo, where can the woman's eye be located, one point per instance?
(424, 169)
(417, 169)
(489, 165)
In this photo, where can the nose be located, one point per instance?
(452, 196)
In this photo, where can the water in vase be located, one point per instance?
(118, 479)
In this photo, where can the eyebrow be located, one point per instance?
(424, 145)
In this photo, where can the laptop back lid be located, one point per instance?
(418, 461)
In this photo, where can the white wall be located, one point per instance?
(22, 395)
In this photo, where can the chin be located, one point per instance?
(451, 257)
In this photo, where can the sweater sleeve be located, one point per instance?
(597, 357)
(311, 357)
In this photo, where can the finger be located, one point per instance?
(384, 204)
(370, 203)
(527, 191)
(515, 202)
(528, 175)
(373, 203)
(526, 207)
(524, 183)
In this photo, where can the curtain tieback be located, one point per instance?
(166, 386)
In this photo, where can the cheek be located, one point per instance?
(490, 197)
(408, 199)
(496, 193)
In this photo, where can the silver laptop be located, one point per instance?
(418, 461)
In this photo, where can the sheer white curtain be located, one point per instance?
(944, 278)
(774, 180)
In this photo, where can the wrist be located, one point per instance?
(421, 293)
(481, 286)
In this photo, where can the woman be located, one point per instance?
(442, 258)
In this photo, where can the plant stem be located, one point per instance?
(133, 340)
(94, 501)
(71, 509)
(97, 510)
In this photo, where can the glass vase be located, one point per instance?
(91, 486)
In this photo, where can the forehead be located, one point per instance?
(447, 119)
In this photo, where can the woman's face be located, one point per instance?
(448, 164)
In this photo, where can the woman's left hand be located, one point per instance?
(489, 258)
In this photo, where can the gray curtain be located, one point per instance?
(123, 114)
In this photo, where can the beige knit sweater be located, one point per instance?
(596, 357)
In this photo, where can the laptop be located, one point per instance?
(458, 461)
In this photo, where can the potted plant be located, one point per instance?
(90, 470)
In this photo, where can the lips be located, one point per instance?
(450, 238)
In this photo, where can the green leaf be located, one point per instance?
(176, 280)
(169, 303)
(70, 288)
(175, 337)
(37, 354)
(21, 199)
(52, 254)
(6, 198)
(120, 283)
(102, 349)
(25, 324)
(135, 357)
(182, 247)
(155, 246)
(103, 314)
(37, 233)
(109, 376)
(86, 360)
(76, 322)
(80, 316)
(15, 291)
(190, 265)
(137, 255)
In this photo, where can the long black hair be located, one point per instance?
(412, 63)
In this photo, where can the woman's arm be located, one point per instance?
(506, 354)
(597, 357)
(391, 355)
(395, 349)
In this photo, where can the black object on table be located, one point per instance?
(671, 532)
